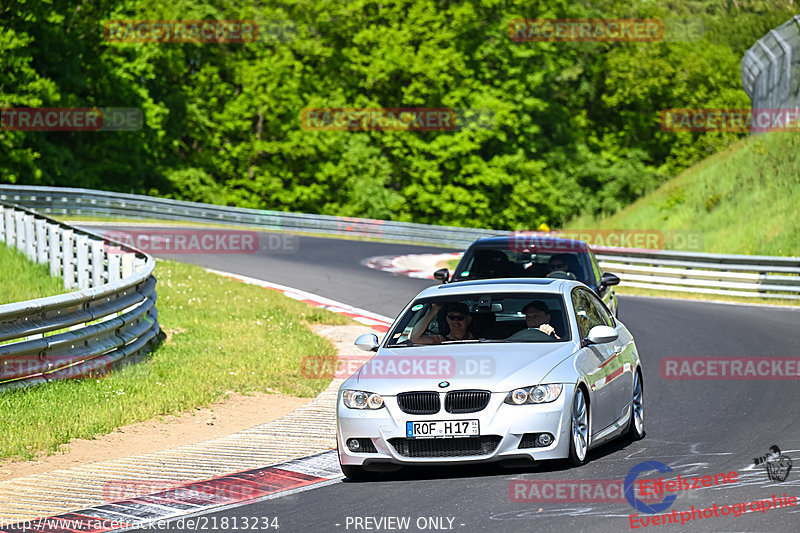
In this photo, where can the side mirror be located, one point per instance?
(367, 342)
(442, 275)
(601, 335)
(608, 279)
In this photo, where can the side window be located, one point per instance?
(585, 312)
(403, 330)
(596, 272)
(605, 316)
(581, 315)
(469, 265)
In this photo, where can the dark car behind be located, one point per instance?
(529, 256)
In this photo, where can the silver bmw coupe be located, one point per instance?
(492, 370)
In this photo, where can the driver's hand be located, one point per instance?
(550, 330)
(435, 308)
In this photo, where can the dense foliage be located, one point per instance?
(575, 125)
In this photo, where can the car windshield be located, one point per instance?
(529, 317)
(487, 263)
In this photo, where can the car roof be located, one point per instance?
(503, 241)
(518, 285)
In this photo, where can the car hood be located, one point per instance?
(497, 367)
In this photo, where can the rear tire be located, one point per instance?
(636, 421)
(579, 429)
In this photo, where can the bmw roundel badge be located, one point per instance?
(444, 384)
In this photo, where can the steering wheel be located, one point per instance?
(530, 334)
(560, 274)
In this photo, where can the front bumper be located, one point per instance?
(498, 421)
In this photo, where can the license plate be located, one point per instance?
(442, 428)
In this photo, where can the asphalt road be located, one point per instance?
(696, 427)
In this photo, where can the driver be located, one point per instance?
(557, 262)
(458, 318)
(537, 316)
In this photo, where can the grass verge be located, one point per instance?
(742, 200)
(223, 336)
(23, 279)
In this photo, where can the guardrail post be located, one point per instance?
(30, 238)
(127, 265)
(82, 253)
(114, 267)
(41, 241)
(68, 258)
(761, 281)
(8, 215)
(98, 263)
(54, 245)
(2, 223)
(19, 230)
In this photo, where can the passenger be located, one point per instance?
(495, 264)
(458, 318)
(537, 316)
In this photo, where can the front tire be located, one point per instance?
(636, 421)
(579, 429)
(354, 472)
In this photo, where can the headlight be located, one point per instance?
(519, 396)
(357, 399)
(535, 394)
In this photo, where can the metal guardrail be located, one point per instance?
(69, 201)
(771, 68)
(728, 275)
(736, 275)
(111, 320)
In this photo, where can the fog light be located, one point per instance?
(353, 444)
(544, 439)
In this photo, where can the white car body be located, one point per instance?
(604, 372)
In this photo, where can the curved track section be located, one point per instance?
(695, 427)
